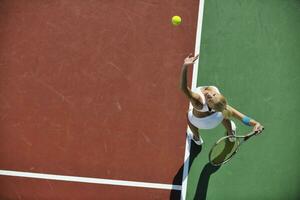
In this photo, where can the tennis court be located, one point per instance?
(91, 107)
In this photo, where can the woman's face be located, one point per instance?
(211, 97)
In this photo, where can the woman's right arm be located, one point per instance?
(183, 82)
(192, 96)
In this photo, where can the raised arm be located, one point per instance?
(246, 120)
(188, 61)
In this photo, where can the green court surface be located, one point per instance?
(250, 49)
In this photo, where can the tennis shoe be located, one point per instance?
(191, 136)
(233, 127)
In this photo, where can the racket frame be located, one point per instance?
(239, 138)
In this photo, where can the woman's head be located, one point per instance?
(217, 102)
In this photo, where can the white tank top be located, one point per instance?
(205, 106)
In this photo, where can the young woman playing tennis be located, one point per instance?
(210, 108)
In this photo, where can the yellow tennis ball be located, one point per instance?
(176, 20)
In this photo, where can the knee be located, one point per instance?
(225, 120)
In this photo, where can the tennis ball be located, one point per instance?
(176, 20)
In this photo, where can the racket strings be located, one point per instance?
(223, 151)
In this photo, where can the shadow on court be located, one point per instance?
(202, 186)
(175, 194)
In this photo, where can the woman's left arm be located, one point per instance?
(257, 127)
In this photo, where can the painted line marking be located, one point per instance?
(89, 180)
(194, 85)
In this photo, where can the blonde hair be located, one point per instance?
(221, 106)
(227, 112)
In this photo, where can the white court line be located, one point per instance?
(194, 85)
(90, 180)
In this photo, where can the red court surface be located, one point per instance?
(91, 89)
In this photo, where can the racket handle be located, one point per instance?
(250, 135)
(247, 137)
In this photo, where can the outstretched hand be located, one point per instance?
(190, 59)
(258, 128)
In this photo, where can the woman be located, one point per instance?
(210, 108)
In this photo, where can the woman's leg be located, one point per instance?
(228, 126)
(194, 129)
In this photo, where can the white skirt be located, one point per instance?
(208, 122)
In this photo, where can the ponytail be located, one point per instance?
(227, 112)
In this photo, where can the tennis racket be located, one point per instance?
(226, 147)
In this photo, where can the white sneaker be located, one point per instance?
(233, 127)
(191, 136)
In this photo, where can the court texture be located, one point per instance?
(91, 108)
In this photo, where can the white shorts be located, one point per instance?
(208, 122)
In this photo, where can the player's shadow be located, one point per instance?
(202, 186)
(178, 179)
